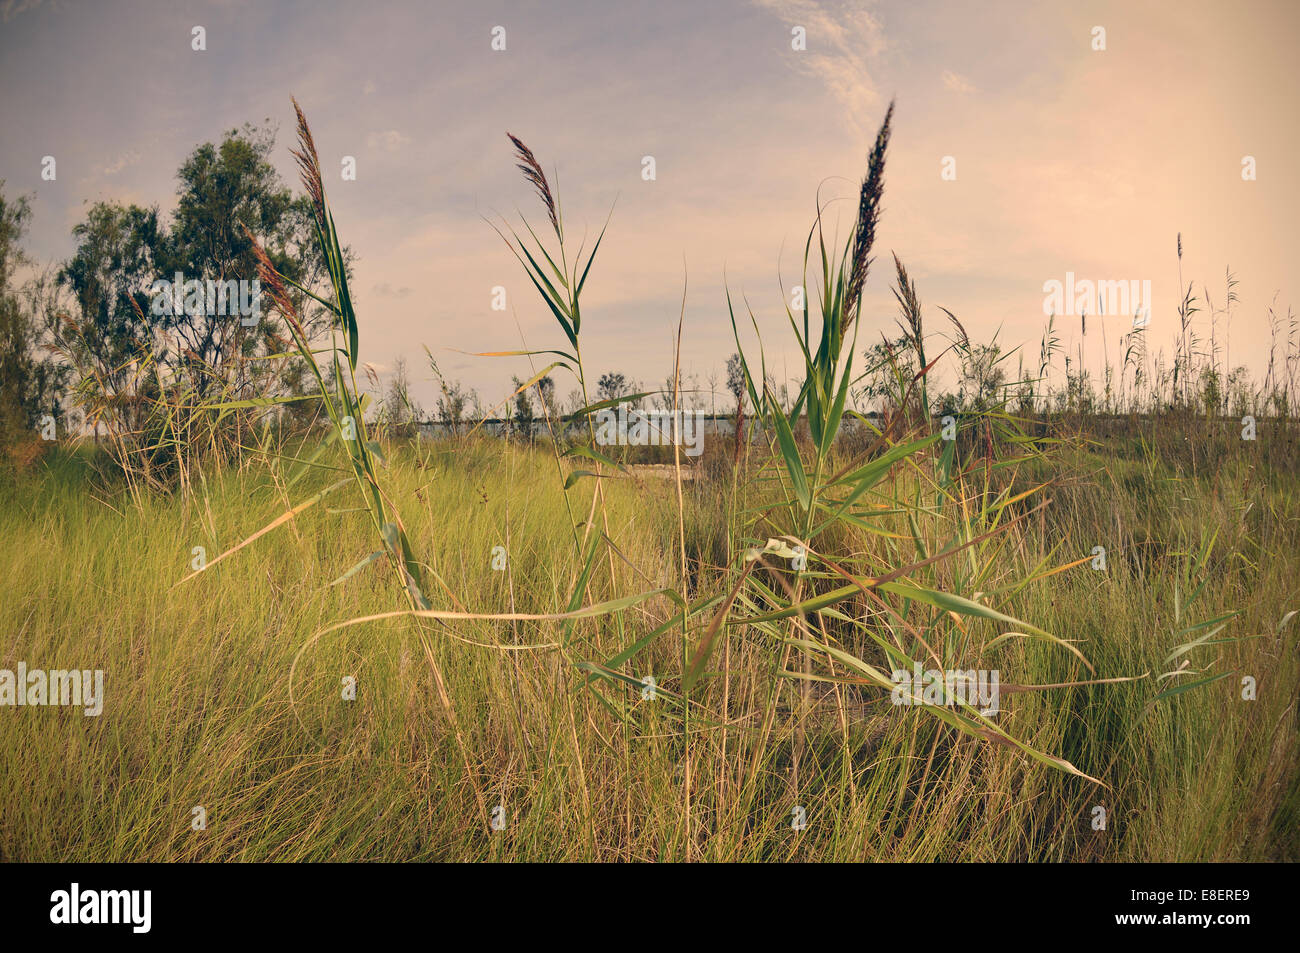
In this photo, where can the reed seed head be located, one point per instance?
(873, 188)
(309, 166)
(532, 170)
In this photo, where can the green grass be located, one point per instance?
(198, 683)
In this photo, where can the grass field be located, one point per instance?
(205, 707)
(321, 640)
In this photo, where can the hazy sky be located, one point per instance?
(1067, 158)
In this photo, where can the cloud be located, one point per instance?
(130, 157)
(844, 40)
(957, 83)
(389, 141)
(11, 8)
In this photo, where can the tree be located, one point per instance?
(453, 400)
(1241, 397)
(30, 381)
(546, 393)
(147, 366)
(1212, 393)
(523, 417)
(400, 414)
(982, 378)
(451, 407)
(611, 386)
(109, 340)
(683, 388)
(225, 192)
(890, 370)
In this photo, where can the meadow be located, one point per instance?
(338, 643)
(204, 705)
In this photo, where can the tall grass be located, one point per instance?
(198, 713)
(769, 600)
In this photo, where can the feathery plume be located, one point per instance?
(532, 171)
(965, 338)
(273, 284)
(908, 303)
(873, 187)
(309, 166)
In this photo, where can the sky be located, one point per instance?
(1067, 158)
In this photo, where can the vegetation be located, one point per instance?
(559, 657)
